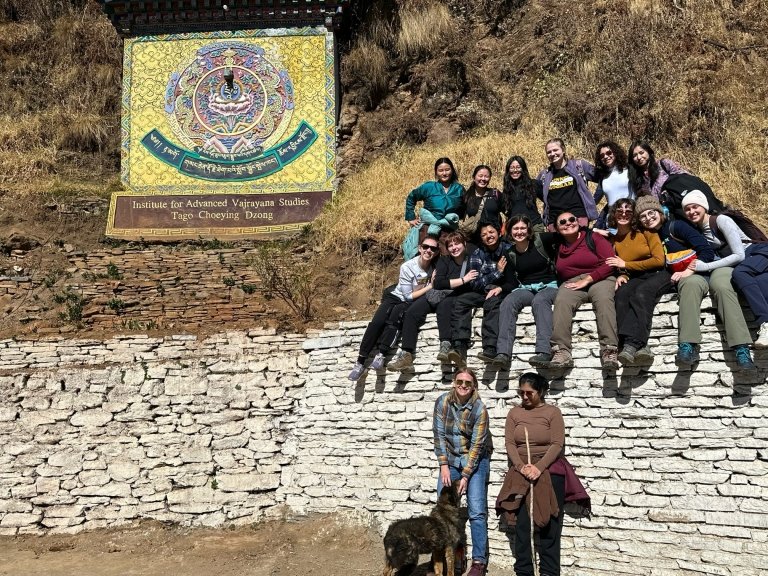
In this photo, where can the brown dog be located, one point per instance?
(437, 534)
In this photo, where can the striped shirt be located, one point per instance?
(461, 433)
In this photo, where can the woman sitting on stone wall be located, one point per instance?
(684, 247)
(641, 281)
(452, 278)
(415, 281)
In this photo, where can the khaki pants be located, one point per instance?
(568, 301)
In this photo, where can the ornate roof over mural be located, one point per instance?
(142, 17)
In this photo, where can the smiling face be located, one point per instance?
(456, 248)
(429, 249)
(465, 385)
(515, 170)
(607, 157)
(568, 225)
(489, 236)
(624, 212)
(444, 173)
(520, 232)
(650, 219)
(695, 213)
(640, 157)
(555, 154)
(481, 178)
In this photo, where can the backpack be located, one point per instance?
(539, 246)
(742, 221)
(678, 185)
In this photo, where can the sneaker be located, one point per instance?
(540, 360)
(503, 361)
(744, 358)
(687, 354)
(442, 355)
(608, 358)
(627, 354)
(357, 371)
(561, 359)
(477, 569)
(762, 337)
(404, 361)
(458, 357)
(378, 362)
(643, 356)
(488, 355)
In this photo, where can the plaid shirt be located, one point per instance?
(485, 263)
(461, 433)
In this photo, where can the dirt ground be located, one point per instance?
(316, 546)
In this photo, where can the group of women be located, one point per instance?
(553, 261)
(538, 478)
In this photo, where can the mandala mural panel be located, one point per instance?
(228, 133)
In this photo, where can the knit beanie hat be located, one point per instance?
(696, 197)
(647, 203)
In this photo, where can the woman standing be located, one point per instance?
(534, 436)
(463, 448)
(585, 277)
(529, 280)
(612, 177)
(521, 193)
(415, 281)
(452, 278)
(642, 280)
(729, 244)
(480, 203)
(646, 174)
(441, 197)
(564, 186)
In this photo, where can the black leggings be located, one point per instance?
(549, 536)
(416, 315)
(384, 326)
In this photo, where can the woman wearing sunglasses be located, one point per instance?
(584, 277)
(463, 448)
(534, 436)
(612, 177)
(642, 280)
(415, 281)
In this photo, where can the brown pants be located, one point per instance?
(568, 301)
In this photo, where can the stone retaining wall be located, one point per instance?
(246, 426)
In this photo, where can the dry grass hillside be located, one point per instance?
(474, 81)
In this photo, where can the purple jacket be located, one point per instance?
(581, 171)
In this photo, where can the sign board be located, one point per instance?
(225, 133)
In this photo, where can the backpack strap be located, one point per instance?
(590, 241)
(580, 169)
(714, 227)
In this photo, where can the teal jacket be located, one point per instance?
(435, 200)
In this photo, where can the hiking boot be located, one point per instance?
(561, 359)
(404, 361)
(687, 354)
(357, 371)
(503, 361)
(608, 358)
(744, 358)
(762, 337)
(643, 356)
(458, 356)
(540, 360)
(442, 355)
(488, 355)
(627, 354)
(477, 569)
(378, 362)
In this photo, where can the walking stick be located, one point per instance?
(530, 508)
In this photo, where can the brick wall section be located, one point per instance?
(98, 433)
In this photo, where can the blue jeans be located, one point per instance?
(477, 506)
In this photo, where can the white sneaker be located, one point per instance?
(378, 362)
(762, 337)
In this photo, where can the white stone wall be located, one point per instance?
(246, 426)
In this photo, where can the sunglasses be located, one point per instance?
(564, 221)
(607, 154)
(526, 393)
(624, 210)
(465, 383)
(429, 247)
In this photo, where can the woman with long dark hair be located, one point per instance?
(612, 176)
(479, 203)
(521, 192)
(646, 174)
